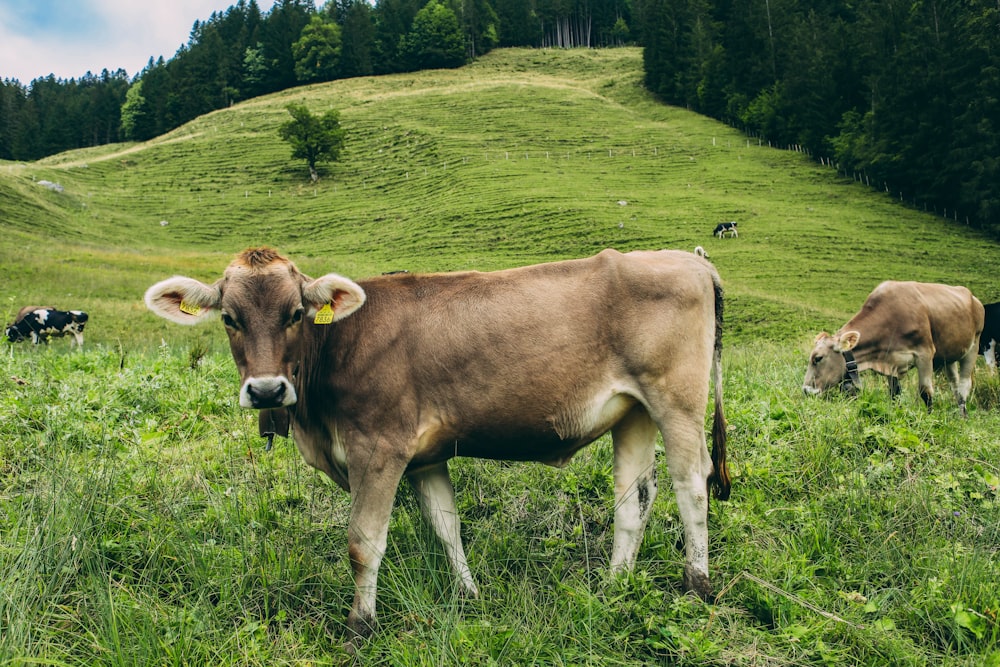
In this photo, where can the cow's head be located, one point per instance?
(263, 300)
(13, 334)
(828, 365)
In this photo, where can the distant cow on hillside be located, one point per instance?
(40, 323)
(991, 335)
(724, 228)
(12, 333)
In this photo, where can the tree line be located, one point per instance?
(243, 52)
(904, 94)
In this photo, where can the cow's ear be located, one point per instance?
(342, 294)
(820, 336)
(183, 300)
(846, 341)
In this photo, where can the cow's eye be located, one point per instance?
(816, 360)
(296, 317)
(229, 321)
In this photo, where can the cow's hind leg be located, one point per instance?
(960, 375)
(437, 501)
(635, 484)
(690, 465)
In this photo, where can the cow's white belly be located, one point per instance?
(589, 421)
(594, 418)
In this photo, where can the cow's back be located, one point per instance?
(956, 319)
(523, 355)
(912, 313)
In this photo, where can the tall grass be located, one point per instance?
(142, 523)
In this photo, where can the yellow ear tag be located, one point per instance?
(188, 308)
(324, 315)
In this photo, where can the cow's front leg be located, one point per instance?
(894, 389)
(373, 489)
(437, 501)
(925, 374)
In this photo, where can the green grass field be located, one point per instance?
(141, 522)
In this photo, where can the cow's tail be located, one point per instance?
(719, 480)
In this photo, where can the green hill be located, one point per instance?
(523, 156)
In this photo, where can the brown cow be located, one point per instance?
(397, 374)
(902, 325)
(28, 309)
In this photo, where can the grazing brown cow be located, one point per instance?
(28, 309)
(397, 374)
(902, 325)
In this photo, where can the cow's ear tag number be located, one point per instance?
(188, 308)
(324, 315)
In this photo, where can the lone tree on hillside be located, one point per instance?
(313, 138)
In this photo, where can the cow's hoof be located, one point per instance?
(360, 625)
(359, 629)
(698, 583)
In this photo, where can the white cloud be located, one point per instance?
(114, 34)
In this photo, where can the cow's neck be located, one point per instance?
(851, 378)
(322, 361)
(868, 355)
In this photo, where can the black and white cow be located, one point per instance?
(990, 337)
(40, 323)
(724, 228)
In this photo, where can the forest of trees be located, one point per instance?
(904, 95)
(243, 52)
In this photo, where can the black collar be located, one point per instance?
(851, 382)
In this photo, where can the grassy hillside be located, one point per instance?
(523, 156)
(142, 523)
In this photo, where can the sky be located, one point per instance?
(68, 38)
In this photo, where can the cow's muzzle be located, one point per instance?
(267, 392)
